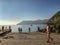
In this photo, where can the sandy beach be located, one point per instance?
(36, 38)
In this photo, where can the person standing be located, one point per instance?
(2, 28)
(10, 29)
(29, 29)
(48, 28)
(38, 29)
(19, 29)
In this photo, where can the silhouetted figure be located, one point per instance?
(9, 28)
(20, 30)
(49, 33)
(2, 28)
(51, 29)
(38, 29)
(29, 29)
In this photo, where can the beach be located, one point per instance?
(33, 38)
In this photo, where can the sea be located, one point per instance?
(25, 28)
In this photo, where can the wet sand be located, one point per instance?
(36, 38)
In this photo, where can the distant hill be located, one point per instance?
(56, 18)
(34, 22)
(53, 19)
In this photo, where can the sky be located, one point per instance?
(15, 11)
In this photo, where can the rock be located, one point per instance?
(11, 36)
(5, 37)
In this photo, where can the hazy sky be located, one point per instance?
(14, 11)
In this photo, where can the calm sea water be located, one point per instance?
(33, 28)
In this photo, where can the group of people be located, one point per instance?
(48, 32)
(20, 29)
(5, 28)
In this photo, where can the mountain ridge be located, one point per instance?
(55, 18)
(34, 22)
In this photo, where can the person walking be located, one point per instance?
(48, 28)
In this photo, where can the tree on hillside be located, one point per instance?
(56, 20)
